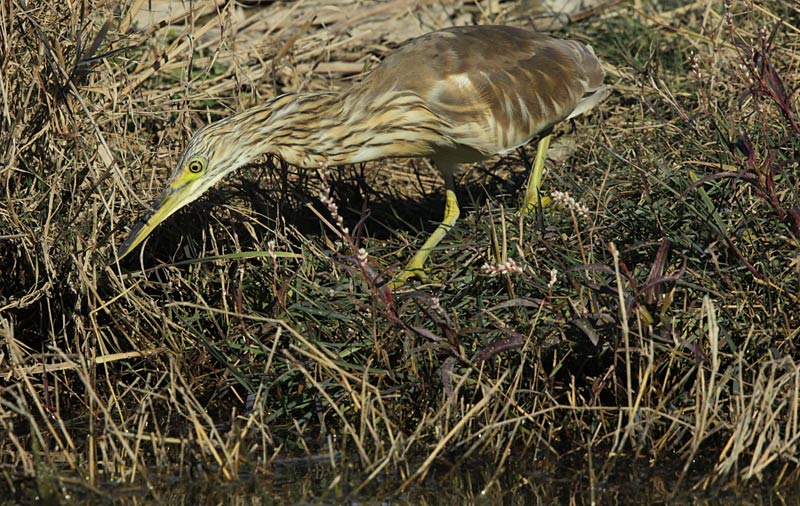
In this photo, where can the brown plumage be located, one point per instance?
(457, 95)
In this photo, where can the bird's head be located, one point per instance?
(222, 147)
(211, 154)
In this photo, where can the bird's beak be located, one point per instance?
(172, 199)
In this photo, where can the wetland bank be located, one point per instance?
(647, 337)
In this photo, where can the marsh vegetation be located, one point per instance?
(655, 325)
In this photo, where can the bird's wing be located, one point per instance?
(496, 86)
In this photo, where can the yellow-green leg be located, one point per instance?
(535, 177)
(415, 266)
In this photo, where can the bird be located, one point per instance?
(458, 95)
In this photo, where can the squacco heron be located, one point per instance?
(458, 95)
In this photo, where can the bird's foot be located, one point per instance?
(528, 208)
(410, 271)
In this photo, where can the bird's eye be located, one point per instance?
(196, 166)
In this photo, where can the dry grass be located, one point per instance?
(659, 321)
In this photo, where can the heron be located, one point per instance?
(456, 96)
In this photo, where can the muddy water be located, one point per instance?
(317, 481)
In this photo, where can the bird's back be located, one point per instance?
(494, 87)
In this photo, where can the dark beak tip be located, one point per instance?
(125, 248)
(136, 235)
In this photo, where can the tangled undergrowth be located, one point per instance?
(651, 312)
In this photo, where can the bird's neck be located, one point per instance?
(316, 129)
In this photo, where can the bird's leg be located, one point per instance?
(415, 266)
(535, 177)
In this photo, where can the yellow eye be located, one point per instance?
(196, 166)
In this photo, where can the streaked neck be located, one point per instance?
(328, 128)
